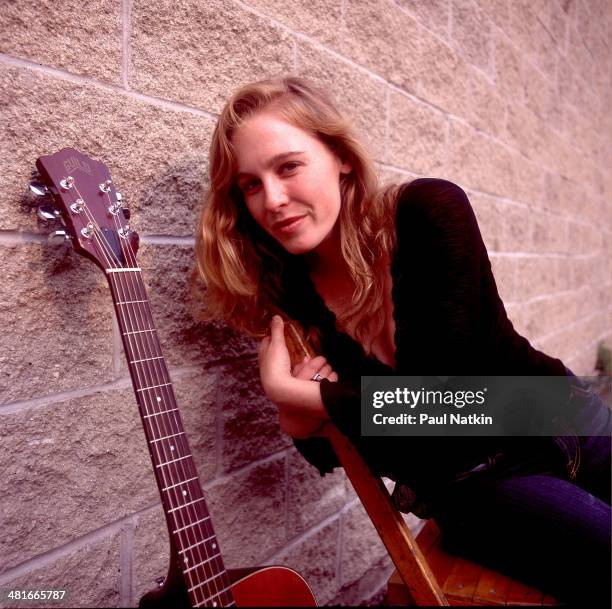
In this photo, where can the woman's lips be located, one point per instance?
(287, 229)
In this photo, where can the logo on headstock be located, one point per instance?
(72, 163)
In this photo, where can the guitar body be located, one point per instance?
(272, 586)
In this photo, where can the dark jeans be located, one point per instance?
(527, 518)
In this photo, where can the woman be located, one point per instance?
(393, 281)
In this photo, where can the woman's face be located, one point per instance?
(290, 181)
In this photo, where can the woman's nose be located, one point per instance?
(275, 195)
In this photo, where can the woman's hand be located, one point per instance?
(298, 398)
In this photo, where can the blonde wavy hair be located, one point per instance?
(241, 265)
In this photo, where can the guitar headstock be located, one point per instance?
(88, 205)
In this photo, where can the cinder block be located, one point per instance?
(417, 136)
(312, 498)
(490, 214)
(89, 575)
(471, 30)
(82, 464)
(361, 545)
(562, 195)
(539, 91)
(359, 96)
(156, 156)
(527, 133)
(388, 175)
(550, 233)
(384, 38)
(319, 19)
(537, 276)
(249, 421)
(517, 229)
(504, 271)
(63, 35)
(57, 316)
(434, 15)
(509, 68)
(151, 551)
(248, 513)
(176, 308)
(220, 45)
(479, 162)
(195, 395)
(315, 560)
(441, 72)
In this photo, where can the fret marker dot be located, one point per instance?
(186, 559)
(172, 448)
(214, 546)
(214, 603)
(184, 493)
(158, 399)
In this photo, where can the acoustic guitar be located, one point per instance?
(85, 201)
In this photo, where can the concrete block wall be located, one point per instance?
(509, 100)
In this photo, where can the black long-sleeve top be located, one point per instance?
(449, 320)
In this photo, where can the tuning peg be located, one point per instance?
(39, 189)
(47, 213)
(119, 196)
(57, 237)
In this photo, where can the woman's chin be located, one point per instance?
(297, 248)
(298, 245)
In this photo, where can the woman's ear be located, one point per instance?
(345, 166)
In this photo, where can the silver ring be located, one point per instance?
(317, 377)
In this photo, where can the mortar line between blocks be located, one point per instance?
(126, 16)
(126, 563)
(105, 86)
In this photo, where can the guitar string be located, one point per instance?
(153, 422)
(129, 256)
(103, 244)
(106, 250)
(216, 557)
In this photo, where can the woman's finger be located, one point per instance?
(325, 371)
(333, 377)
(309, 368)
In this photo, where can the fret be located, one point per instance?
(173, 461)
(180, 433)
(155, 387)
(167, 488)
(203, 583)
(138, 332)
(156, 414)
(179, 507)
(192, 525)
(123, 270)
(123, 302)
(146, 359)
(199, 544)
(202, 563)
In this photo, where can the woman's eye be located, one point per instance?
(288, 167)
(249, 186)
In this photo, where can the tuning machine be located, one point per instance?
(48, 213)
(39, 189)
(57, 237)
(119, 206)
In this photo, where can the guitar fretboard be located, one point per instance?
(183, 501)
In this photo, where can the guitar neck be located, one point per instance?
(182, 498)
